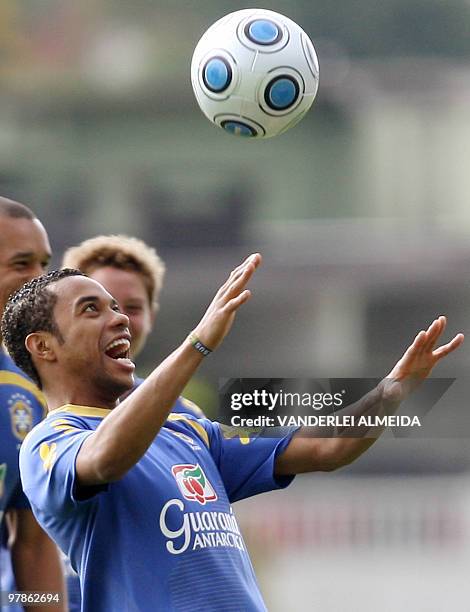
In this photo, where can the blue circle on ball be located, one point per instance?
(237, 128)
(282, 93)
(263, 32)
(217, 74)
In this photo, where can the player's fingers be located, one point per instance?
(234, 276)
(253, 259)
(415, 347)
(237, 301)
(239, 281)
(230, 278)
(257, 259)
(419, 341)
(444, 350)
(433, 332)
(440, 326)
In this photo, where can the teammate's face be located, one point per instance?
(128, 288)
(94, 353)
(24, 254)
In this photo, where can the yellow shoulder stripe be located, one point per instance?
(198, 428)
(63, 425)
(192, 406)
(102, 412)
(12, 378)
(87, 411)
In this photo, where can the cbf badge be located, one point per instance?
(21, 413)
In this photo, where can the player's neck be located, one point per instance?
(78, 397)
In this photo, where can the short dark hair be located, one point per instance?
(15, 210)
(29, 310)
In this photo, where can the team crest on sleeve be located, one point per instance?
(3, 475)
(21, 414)
(193, 483)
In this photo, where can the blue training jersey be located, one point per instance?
(181, 406)
(164, 537)
(22, 406)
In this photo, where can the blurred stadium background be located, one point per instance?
(361, 213)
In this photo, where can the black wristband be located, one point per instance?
(198, 345)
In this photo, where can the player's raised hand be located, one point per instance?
(419, 360)
(218, 319)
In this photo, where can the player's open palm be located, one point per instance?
(419, 360)
(219, 317)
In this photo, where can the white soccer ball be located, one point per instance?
(255, 73)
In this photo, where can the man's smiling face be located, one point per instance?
(93, 349)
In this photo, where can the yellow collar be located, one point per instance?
(86, 411)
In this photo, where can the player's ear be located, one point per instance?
(40, 345)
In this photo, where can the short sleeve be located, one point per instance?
(246, 463)
(47, 464)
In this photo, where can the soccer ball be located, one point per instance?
(255, 73)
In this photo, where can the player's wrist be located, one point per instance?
(195, 341)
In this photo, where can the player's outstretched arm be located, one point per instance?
(308, 454)
(124, 436)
